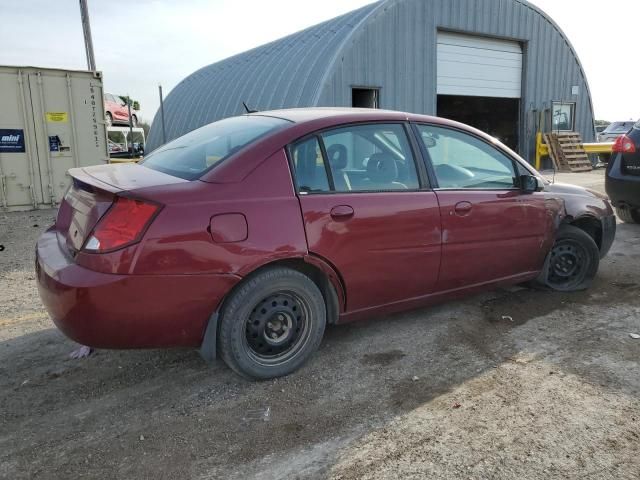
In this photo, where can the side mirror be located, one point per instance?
(530, 184)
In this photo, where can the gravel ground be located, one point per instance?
(455, 391)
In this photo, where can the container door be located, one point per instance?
(70, 129)
(19, 183)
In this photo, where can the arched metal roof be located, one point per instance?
(317, 66)
(280, 74)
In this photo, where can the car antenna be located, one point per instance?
(248, 110)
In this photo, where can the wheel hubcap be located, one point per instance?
(276, 326)
(568, 263)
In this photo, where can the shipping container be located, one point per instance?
(50, 121)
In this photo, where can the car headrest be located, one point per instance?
(382, 168)
(337, 156)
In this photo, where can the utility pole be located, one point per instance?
(164, 130)
(130, 127)
(86, 29)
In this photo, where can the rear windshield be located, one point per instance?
(196, 152)
(619, 127)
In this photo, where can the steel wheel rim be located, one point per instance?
(568, 264)
(277, 328)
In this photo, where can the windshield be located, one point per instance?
(196, 152)
(619, 127)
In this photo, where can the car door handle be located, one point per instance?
(462, 209)
(342, 212)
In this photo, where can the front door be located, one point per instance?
(492, 230)
(367, 212)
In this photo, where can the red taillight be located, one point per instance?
(123, 224)
(624, 144)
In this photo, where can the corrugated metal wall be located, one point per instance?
(284, 73)
(395, 49)
(389, 44)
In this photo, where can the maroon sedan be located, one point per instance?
(246, 237)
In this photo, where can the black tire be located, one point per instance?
(572, 263)
(134, 121)
(628, 215)
(271, 324)
(109, 119)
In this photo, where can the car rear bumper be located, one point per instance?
(125, 311)
(622, 188)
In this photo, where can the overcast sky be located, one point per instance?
(141, 43)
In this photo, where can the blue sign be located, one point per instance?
(11, 140)
(54, 143)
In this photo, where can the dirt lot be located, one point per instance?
(455, 391)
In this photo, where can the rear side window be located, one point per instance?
(373, 157)
(193, 154)
(357, 158)
(311, 174)
(619, 127)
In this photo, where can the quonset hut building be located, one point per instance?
(503, 66)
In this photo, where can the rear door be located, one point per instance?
(491, 229)
(368, 211)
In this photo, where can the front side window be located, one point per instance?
(196, 152)
(375, 157)
(462, 161)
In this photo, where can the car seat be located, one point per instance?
(382, 173)
(338, 159)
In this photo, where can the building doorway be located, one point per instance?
(365, 97)
(499, 117)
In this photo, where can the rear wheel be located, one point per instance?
(272, 324)
(109, 119)
(573, 261)
(628, 215)
(134, 121)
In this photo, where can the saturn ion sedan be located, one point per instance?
(246, 237)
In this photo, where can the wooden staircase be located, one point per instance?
(567, 152)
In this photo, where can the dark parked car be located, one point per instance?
(249, 235)
(623, 176)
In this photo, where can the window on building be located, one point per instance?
(365, 98)
(563, 116)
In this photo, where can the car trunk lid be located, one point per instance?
(92, 193)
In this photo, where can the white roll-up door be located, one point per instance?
(479, 67)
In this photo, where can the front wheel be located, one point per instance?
(573, 261)
(272, 324)
(628, 215)
(134, 121)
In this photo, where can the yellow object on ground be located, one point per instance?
(542, 149)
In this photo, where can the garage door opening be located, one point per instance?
(480, 83)
(499, 117)
(365, 98)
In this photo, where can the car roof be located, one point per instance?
(305, 121)
(344, 114)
